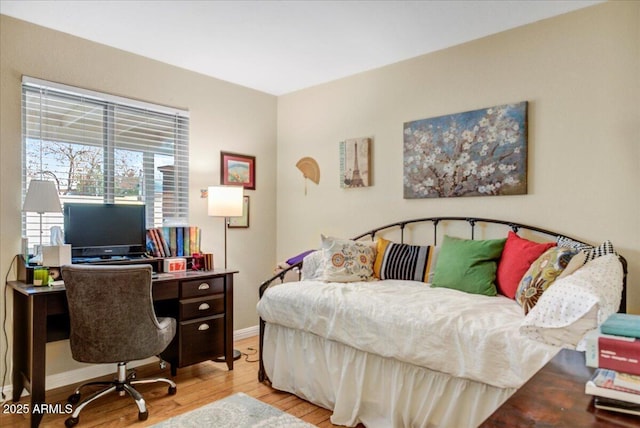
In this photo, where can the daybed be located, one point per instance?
(390, 330)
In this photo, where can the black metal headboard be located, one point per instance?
(436, 221)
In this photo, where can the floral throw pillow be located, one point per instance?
(541, 274)
(346, 260)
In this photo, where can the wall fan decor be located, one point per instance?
(354, 163)
(310, 170)
(476, 153)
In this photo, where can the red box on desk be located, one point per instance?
(175, 264)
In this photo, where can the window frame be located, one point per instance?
(178, 149)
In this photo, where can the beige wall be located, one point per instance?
(581, 75)
(223, 117)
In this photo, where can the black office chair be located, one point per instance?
(113, 321)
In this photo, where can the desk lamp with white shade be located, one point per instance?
(42, 197)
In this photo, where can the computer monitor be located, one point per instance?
(105, 230)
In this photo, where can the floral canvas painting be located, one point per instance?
(476, 153)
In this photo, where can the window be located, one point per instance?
(106, 149)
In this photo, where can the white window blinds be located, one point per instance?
(102, 148)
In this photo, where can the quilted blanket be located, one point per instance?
(465, 335)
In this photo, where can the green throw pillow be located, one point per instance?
(468, 265)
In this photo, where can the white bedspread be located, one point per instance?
(464, 335)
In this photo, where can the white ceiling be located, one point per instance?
(282, 46)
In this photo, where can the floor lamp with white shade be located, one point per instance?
(226, 201)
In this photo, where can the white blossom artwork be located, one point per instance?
(476, 153)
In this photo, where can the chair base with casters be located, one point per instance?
(113, 320)
(123, 384)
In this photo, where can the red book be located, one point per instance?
(161, 242)
(621, 354)
(157, 242)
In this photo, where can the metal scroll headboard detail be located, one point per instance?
(436, 221)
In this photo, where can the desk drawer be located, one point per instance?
(165, 290)
(201, 339)
(202, 287)
(201, 307)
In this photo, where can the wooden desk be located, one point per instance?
(555, 397)
(40, 315)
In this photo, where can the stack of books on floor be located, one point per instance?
(615, 352)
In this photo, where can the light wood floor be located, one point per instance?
(198, 385)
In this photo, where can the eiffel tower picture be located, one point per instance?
(354, 171)
(356, 180)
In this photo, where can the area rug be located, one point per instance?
(238, 411)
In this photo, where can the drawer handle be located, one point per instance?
(204, 307)
(203, 327)
(203, 286)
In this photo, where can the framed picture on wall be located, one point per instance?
(475, 153)
(244, 220)
(354, 163)
(237, 169)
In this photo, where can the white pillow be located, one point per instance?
(576, 304)
(312, 266)
(346, 260)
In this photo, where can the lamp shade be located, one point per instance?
(42, 197)
(225, 201)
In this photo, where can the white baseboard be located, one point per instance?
(79, 375)
(246, 332)
(96, 370)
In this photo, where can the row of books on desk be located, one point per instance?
(614, 350)
(173, 241)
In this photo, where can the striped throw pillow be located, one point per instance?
(402, 261)
(590, 252)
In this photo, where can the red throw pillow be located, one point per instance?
(517, 256)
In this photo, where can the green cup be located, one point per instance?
(40, 276)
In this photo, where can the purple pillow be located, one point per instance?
(296, 259)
